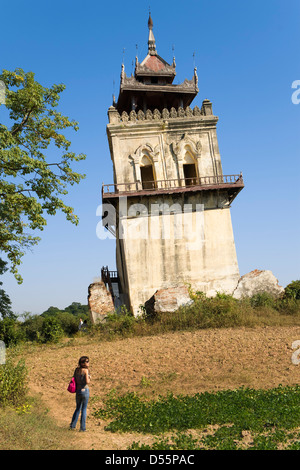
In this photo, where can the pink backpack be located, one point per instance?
(72, 386)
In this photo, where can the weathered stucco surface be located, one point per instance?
(207, 260)
(167, 144)
(200, 250)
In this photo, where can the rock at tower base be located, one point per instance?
(99, 301)
(171, 298)
(257, 282)
(168, 300)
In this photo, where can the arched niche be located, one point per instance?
(144, 159)
(189, 165)
(147, 171)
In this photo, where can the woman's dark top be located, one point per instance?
(80, 379)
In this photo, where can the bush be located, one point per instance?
(33, 328)
(68, 322)
(288, 306)
(292, 291)
(262, 299)
(221, 311)
(121, 322)
(10, 332)
(51, 330)
(13, 383)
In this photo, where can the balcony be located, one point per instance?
(233, 183)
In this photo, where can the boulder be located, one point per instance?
(99, 301)
(168, 300)
(257, 282)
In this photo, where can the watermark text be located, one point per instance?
(296, 94)
(157, 221)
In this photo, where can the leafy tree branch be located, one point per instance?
(31, 186)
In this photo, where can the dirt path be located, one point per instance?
(185, 362)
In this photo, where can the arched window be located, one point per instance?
(147, 173)
(189, 169)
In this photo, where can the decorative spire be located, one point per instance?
(151, 40)
(196, 79)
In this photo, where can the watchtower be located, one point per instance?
(170, 200)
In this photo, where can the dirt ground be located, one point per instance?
(184, 362)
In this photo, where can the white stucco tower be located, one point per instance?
(170, 200)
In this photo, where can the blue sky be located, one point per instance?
(247, 57)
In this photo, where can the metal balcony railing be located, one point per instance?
(204, 182)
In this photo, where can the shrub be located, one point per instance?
(13, 383)
(10, 332)
(121, 322)
(51, 330)
(33, 327)
(262, 299)
(288, 306)
(292, 290)
(68, 322)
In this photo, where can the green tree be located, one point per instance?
(10, 331)
(5, 302)
(292, 290)
(76, 308)
(51, 312)
(32, 186)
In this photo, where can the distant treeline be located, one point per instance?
(221, 311)
(50, 326)
(76, 308)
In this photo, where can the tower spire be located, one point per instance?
(151, 40)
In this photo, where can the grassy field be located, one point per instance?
(29, 427)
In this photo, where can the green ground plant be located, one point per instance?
(13, 383)
(270, 417)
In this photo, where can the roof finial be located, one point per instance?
(151, 40)
(113, 95)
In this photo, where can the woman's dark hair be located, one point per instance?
(83, 359)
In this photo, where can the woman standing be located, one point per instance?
(82, 379)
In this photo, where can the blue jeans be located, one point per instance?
(82, 398)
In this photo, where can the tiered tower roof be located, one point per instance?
(151, 86)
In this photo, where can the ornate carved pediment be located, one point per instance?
(148, 150)
(186, 142)
(156, 115)
(129, 80)
(188, 84)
